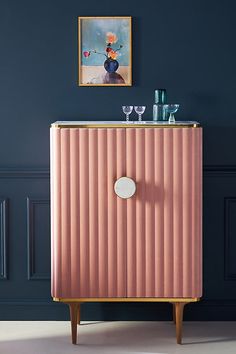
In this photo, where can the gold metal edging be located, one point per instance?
(128, 299)
(124, 126)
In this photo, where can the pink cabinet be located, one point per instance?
(144, 248)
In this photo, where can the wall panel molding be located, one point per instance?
(32, 203)
(219, 170)
(24, 173)
(229, 236)
(3, 238)
(28, 172)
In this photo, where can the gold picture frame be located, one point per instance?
(110, 37)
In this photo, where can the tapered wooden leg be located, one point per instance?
(78, 315)
(174, 319)
(179, 308)
(73, 319)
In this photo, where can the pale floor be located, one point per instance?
(117, 337)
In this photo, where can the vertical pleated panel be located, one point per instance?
(121, 214)
(159, 210)
(146, 246)
(167, 241)
(194, 214)
(84, 212)
(93, 213)
(199, 179)
(111, 209)
(102, 213)
(140, 286)
(65, 212)
(55, 182)
(178, 211)
(88, 221)
(74, 257)
(198, 212)
(168, 212)
(149, 213)
(131, 214)
(187, 210)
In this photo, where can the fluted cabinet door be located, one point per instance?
(164, 233)
(145, 246)
(88, 220)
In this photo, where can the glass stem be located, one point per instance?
(127, 117)
(172, 118)
(140, 117)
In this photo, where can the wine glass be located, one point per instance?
(127, 110)
(139, 110)
(171, 109)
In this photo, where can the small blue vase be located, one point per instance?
(111, 65)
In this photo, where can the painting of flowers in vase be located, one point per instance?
(105, 51)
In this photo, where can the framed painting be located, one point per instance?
(105, 51)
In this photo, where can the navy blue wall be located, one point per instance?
(188, 47)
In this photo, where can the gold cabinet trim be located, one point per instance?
(61, 126)
(127, 299)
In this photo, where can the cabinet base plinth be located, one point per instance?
(178, 310)
(127, 299)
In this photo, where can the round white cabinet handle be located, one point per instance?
(125, 187)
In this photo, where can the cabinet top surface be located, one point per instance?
(124, 124)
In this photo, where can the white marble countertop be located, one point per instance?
(113, 123)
